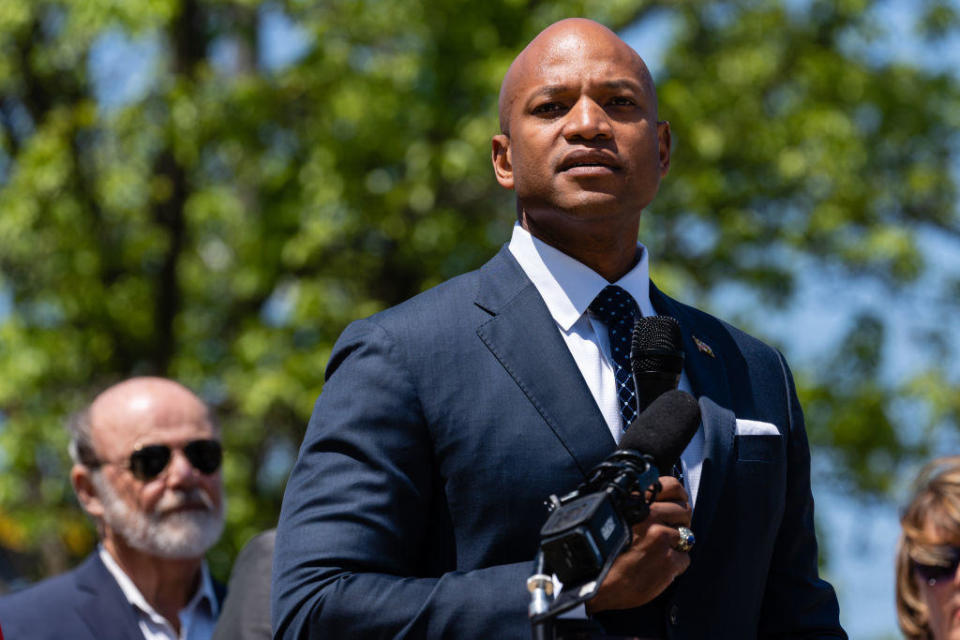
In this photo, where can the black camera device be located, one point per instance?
(591, 525)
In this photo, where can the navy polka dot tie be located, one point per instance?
(617, 309)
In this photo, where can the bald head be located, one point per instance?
(561, 40)
(142, 386)
(138, 399)
(581, 144)
(136, 408)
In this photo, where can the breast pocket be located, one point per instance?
(759, 448)
(761, 469)
(760, 486)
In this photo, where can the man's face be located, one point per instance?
(583, 138)
(178, 513)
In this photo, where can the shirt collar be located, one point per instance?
(135, 598)
(568, 286)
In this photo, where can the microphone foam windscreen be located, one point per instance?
(656, 345)
(664, 428)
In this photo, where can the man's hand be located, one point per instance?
(651, 563)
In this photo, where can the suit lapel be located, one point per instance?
(524, 338)
(719, 425)
(102, 605)
(707, 373)
(708, 378)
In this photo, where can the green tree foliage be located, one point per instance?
(223, 227)
(224, 224)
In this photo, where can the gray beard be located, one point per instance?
(180, 535)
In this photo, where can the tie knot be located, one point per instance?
(615, 307)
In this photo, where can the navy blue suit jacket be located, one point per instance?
(414, 507)
(85, 603)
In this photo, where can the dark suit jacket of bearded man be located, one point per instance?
(414, 508)
(85, 603)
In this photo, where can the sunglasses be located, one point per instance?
(946, 570)
(147, 462)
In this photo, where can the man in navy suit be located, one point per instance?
(414, 508)
(146, 458)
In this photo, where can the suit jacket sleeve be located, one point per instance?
(797, 603)
(362, 548)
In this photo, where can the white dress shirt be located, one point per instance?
(568, 287)
(197, 619)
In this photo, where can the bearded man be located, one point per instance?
(146, 468)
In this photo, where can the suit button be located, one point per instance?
(674, 614)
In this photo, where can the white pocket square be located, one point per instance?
(756, 428)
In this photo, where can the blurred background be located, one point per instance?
(211, 190)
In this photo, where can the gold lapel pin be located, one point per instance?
(703, 347)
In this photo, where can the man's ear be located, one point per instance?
(82, 481)
(502, 160)
(663, 138)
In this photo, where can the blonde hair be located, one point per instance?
(935, 504)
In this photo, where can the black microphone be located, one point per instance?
(656, 357)
(590, 526)
(664, 429)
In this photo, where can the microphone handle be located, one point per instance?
(650, 385)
